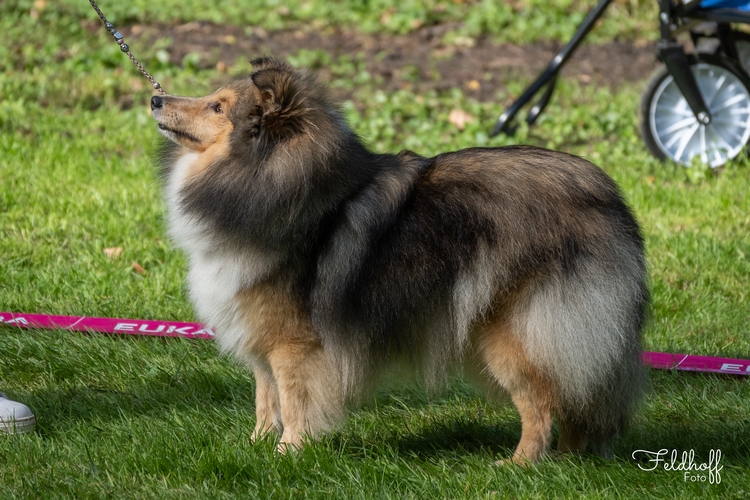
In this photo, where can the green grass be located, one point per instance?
(516, 21)
(153, 418)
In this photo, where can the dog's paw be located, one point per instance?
(285, 448)
(505, 462)
(514, 461)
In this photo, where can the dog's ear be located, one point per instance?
(281, 100)
(260, 63)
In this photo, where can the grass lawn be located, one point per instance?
(155, 418)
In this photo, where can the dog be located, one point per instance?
(324, 266)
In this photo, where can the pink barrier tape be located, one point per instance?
(694, 363)
(107, 325)
(659, 360)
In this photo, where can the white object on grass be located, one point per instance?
(15, 417)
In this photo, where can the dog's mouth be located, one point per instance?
(174, 134)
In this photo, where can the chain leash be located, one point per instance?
(125, 47)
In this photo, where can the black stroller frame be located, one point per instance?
(701, 23)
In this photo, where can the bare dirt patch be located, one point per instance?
(419, 61)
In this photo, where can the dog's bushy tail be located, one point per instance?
(583, 327)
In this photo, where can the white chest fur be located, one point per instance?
(217, 271)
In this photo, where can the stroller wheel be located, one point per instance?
(669, 128)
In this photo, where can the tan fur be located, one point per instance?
(508, 364)
(198, 121)
(213, 152)
(267, 404)
(290, 366)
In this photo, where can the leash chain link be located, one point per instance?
(125, 47)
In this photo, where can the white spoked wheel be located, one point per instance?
(670, 129)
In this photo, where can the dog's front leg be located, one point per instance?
(267, 406)
(296, 381)
(309, 391)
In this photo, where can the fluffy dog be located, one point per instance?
(322, 265)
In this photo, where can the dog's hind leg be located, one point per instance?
(507, 362)
(602, 444)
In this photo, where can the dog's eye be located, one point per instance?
(216, 106)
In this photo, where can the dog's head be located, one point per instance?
(275, 102)
(274, 155)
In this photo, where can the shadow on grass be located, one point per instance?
(461, 436)
(447, 428)
(732, 438)
(64, 406)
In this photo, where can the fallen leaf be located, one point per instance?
(464, 41)
(460, 118)
(473, 85)
(113, 253)
(138, 268)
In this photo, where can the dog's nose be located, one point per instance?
(156, 102)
